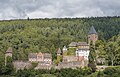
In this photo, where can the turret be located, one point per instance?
(64, 49)
(8, 53)
(92, 35)
(59, 52)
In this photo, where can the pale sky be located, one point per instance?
(21, 9)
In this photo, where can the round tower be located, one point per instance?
(59, 52)
(8, 53)
(92, 35)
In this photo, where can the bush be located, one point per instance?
(110, 72)
(100, 74)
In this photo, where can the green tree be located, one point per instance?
(111, 52)
(2, 61)
(113, 48)
(9, 68)
(92, 56)
(101, 54)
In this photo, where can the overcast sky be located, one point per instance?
(20, 9)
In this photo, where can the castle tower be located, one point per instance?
(59, 52)
(64, 49)
(92, 35)
(8, 53)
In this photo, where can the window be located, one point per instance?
(39, 56)
(77, 54)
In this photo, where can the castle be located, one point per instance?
(80, 52)
(75, 55)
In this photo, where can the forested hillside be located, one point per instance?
(47, 35)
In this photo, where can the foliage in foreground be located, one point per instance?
(68, 72)
(110, 72)
(79, 72)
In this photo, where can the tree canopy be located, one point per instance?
(47, 35)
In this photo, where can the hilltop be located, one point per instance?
(47, 35)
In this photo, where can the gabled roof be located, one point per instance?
(59, 51)
(47, 56)
(9, 50)
(73, 44)
(40, 53)
(64, 47)
(92, 30)
(82, 44)
(32, 55)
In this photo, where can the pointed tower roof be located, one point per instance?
(92, 30)
(64, 48)
(9, 50)
(59, 51)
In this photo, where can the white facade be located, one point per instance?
(83, 53)
(64, 48)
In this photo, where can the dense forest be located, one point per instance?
(47, 35)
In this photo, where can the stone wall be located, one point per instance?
(43, 66)
(69, 58)
(22, 64)
(73, 64)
